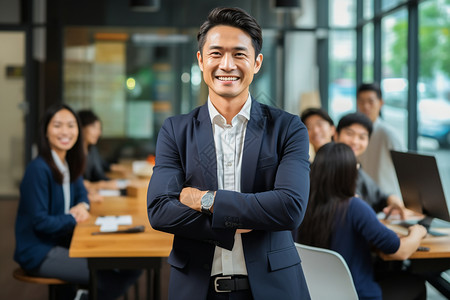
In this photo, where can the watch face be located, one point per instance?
(207, 200)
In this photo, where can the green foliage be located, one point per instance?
(399, 49)
(434, 40)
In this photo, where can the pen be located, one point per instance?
(421, 248)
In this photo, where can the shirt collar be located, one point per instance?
(62, 167)
(244, 112)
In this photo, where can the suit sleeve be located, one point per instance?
(280, 208)
(36, 194)
(165, 211)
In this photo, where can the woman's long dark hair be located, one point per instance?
(75, 156)
(333, 183)
(87, 117)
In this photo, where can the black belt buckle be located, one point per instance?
(216, 284)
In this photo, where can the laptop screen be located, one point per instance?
(420, 184)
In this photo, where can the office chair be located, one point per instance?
(326, 273)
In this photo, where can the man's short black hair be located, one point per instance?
(355, 118)
(235, 17)
(372, 87)
(316, 112)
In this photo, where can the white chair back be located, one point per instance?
(327, 274)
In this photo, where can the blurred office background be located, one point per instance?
(134, 63)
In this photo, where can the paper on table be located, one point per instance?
(109, 193)
(111, 223)
(117, 220)
(122, 183)
(124, 220)
(108, 227)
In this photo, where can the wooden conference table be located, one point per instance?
(142, 250)
(439, 246)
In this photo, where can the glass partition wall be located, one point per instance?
(405, 48)
(394, 79)
(134, 78)
(342, 58)
(433, 90)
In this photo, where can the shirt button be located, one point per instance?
(229, 164)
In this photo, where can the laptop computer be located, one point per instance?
(420, 185)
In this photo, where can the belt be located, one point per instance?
(226, 284)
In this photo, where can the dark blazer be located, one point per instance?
(41, 223)
(95, 166)
(273, 200)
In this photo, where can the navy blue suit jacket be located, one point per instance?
(41, 223)
(272, 201)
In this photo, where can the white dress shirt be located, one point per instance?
(377, 161)
(64, 169)
(229, 142)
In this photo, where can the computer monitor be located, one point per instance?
(420, 184)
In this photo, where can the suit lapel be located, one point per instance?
(252, 145)
(206, 148)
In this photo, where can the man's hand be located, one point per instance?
(393, 199)
(95, 197)
(192, 197)
(394, 209)
(418, 230)
(87, 184)
(394, 206)
(243, 231)
(79, 212)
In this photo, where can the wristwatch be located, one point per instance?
(207, 202)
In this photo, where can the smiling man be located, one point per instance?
(320, 127)
(231, 178)
(355, 130)
(377, 159)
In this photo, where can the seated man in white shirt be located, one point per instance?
(355, 130)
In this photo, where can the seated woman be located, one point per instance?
(337, 220)
(94, 173)
(53, 200)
